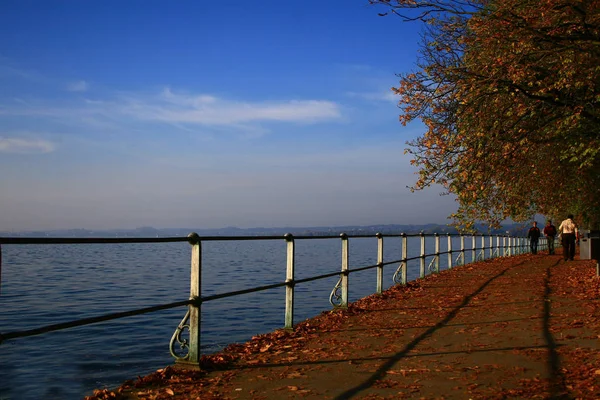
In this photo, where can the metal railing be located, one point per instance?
(497, 246)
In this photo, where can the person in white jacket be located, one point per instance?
(568, 233)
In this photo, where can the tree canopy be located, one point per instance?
(509, 92)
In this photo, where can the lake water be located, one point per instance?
(48, 284)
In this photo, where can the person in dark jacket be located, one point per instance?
(550, 233)
(534, 236)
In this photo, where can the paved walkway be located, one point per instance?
(509, 328)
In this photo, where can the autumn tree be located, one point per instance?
(509, 93)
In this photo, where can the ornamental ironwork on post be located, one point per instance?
(191, 320)
(400, 274)
(339, 295)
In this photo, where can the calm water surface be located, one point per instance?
(48, 284)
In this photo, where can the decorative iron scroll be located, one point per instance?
(430, 267)
(335, 298)
(397, 278)
(481, 255)
(183, 343)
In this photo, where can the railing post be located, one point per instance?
(195, 294)
(422, 269)
(437, 253)
(491, 246)
(520, 245)
(404, 257)
(379, 263)
(474, 249)
(449, 251)
(483, 247)
(498, 245)
(462, 249)
(289, 281)
(344, 277)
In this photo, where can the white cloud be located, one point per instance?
(25, 146)
(78, 86)
(375, 96)
(182, 109)
(205, 109)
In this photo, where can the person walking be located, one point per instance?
(534, 237)
(568, 233)
(550, 233)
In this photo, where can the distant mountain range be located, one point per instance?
(513, 229)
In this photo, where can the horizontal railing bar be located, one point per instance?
(91, 320)
(243, 291)
(390, 262)
(107, 240)
(363, 268)
(46, 240)
(350, 236)
(317, 277)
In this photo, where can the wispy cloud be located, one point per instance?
(181, 110)
(78, 86)
(205, 109)
(388, 96)
(13, 71)
(25, 146)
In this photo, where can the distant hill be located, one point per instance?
(513, 229)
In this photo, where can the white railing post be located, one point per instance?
(449, 251)
(462, 249)
(404, 257)
(491, 246)
(474, 249)
(483, 247)
(437, 253)
(422, 269)
(521, 249)
(193, 356)
(379, 263)
(345, 262)
(498, 253)
(289, 281)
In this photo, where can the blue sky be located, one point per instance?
(120, 114)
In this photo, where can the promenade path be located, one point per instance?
(508, 328)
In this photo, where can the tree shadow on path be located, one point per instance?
(558, 388)
(381, 371)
